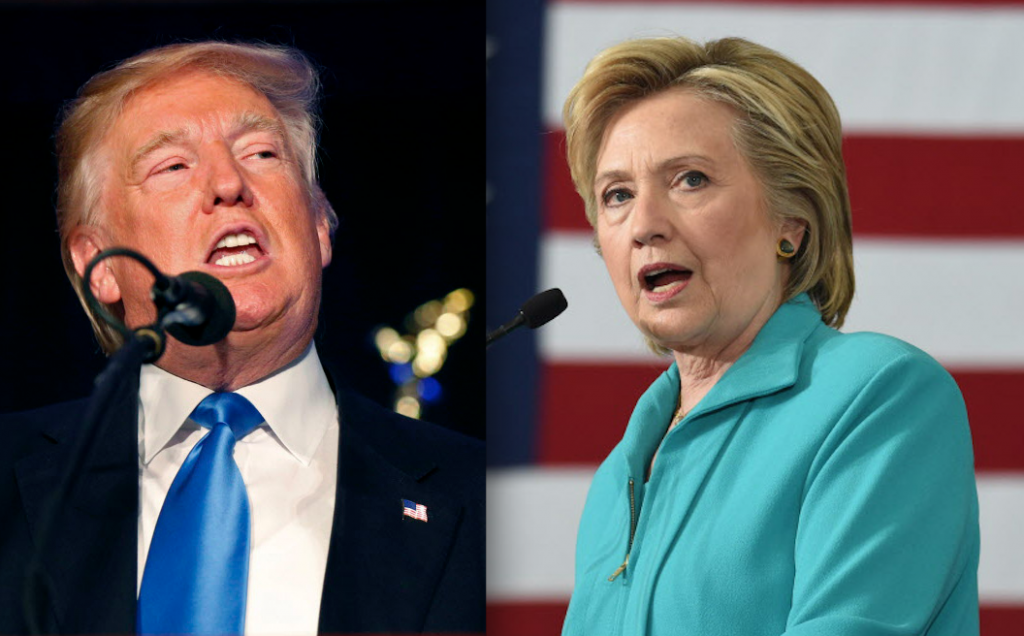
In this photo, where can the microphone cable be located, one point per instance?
(152, 333)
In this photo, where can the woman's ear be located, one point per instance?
(793, 230)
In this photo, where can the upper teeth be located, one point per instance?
(655, 272)
(235, 240)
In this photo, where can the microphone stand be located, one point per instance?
(120, 372)
(144, 344)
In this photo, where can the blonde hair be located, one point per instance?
(787, 127)
(283, 75)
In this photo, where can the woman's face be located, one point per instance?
(683, 227)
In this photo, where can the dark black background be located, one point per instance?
(400, 160)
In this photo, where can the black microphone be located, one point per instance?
(197, 307)
(535, 312)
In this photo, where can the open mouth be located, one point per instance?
(234, 250)
(661, 278)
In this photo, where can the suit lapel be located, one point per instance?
(94, 535)
(382, 567)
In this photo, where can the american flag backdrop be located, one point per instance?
(932, 100)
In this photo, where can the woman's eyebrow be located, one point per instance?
(674, 161)
(664, 164)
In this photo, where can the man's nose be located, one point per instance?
(227, 183)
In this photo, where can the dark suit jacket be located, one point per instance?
(385, 572)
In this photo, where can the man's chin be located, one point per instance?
(256, 307)
(266, 329)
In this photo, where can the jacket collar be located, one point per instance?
(771, 364)
(363, 418)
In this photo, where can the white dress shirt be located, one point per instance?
(289, 466)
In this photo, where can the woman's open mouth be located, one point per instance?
(662, 281)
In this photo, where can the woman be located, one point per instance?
(780, 477)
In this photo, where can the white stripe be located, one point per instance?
(532, 517)
(949, 70)
(1001, 499)
(533, 514)
(961, 301)
(594, 326)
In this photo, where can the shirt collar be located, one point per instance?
(296, 401)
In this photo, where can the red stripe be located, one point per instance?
(994, 413)
(518, 619)
(585, 408)
(899, 186)
(563, 208)
(1002, 620)
(931, 187)
(544, 619)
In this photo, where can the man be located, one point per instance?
(201, 156)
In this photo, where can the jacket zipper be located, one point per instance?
(632, 532)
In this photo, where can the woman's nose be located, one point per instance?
(651, 219)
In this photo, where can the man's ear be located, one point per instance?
(85, 244)
(323, 211)
(323, 232)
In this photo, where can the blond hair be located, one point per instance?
(283, 75)
(787, 128)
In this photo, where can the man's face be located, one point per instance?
(198, 175)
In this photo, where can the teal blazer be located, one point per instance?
(824, 487)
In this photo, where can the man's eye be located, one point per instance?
(617, 197)
(174, 167)
(694, 179)
(262, 154)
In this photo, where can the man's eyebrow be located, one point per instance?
(159, 140)
(245, 123)
(252, 122)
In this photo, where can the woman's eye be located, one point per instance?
(617, 197)
(694, 179)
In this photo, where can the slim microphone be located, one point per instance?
(197, 307)
(535, 312)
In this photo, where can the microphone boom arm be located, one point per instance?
(539, 310)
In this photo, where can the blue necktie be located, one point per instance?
(198, 563)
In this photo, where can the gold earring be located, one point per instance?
(785, 249)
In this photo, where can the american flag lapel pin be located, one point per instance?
(414, 510)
